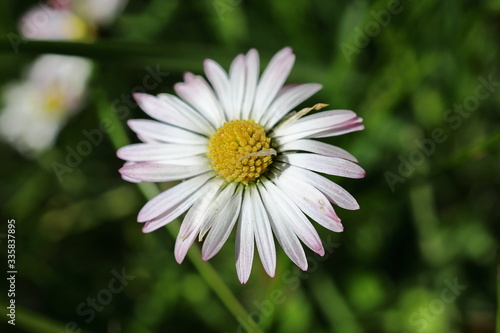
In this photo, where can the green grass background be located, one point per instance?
(389, 269)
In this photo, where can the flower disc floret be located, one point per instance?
(240, 151)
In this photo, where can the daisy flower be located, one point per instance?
(246, 161)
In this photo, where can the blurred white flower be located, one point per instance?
(36, 108)
(46, 23)
(98, 11)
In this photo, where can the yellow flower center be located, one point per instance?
(240, 151)
(80, 30)
(53, 103)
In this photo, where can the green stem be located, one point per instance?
(98, 49)
(150, 190)
(32, 322)
(328, 296)
(170, 57)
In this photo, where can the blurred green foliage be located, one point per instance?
(392, 267)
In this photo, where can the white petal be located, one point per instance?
(296, 219)
(263, 233)
(287, 99)
(220, 82)
(130, 179)
(182, 246)
(156, 131)
(190, 160)
(324, 164)
(310, 200)
(318, 148)
(159, 172)
(172, 197)
(316, 122)
(334, 192)
(171, 214)
(237, 77)
(198, 216)
(230, 206)
(252, 75)
(217, 205)
(348, 127)
(272, 80)
(195, 218)
(198, 93)
(285, 235)
(159, 151)
(343, 128)
(193, 116)
(163, 109)
(245, 241)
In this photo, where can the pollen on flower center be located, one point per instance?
(240, 151)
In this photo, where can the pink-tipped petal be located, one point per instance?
(220, 82)
(272, 80)
(284, 234)
(311, 201)
(237, 78)
(195, 218)
(334, 192)
(353, 126)
(202, 212)
(197, 121)
(252, 75)
(155, 131)
(158, 172)
(182, 246)
(287, 99)
(263, 233)
(171, 197)
(229, 203)
(198, 93)
(316, 122)
(159, 151)
(165, 111)
(171, 214)
(245, 241)
(324, 164)
(296, 219)
(318, 147)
